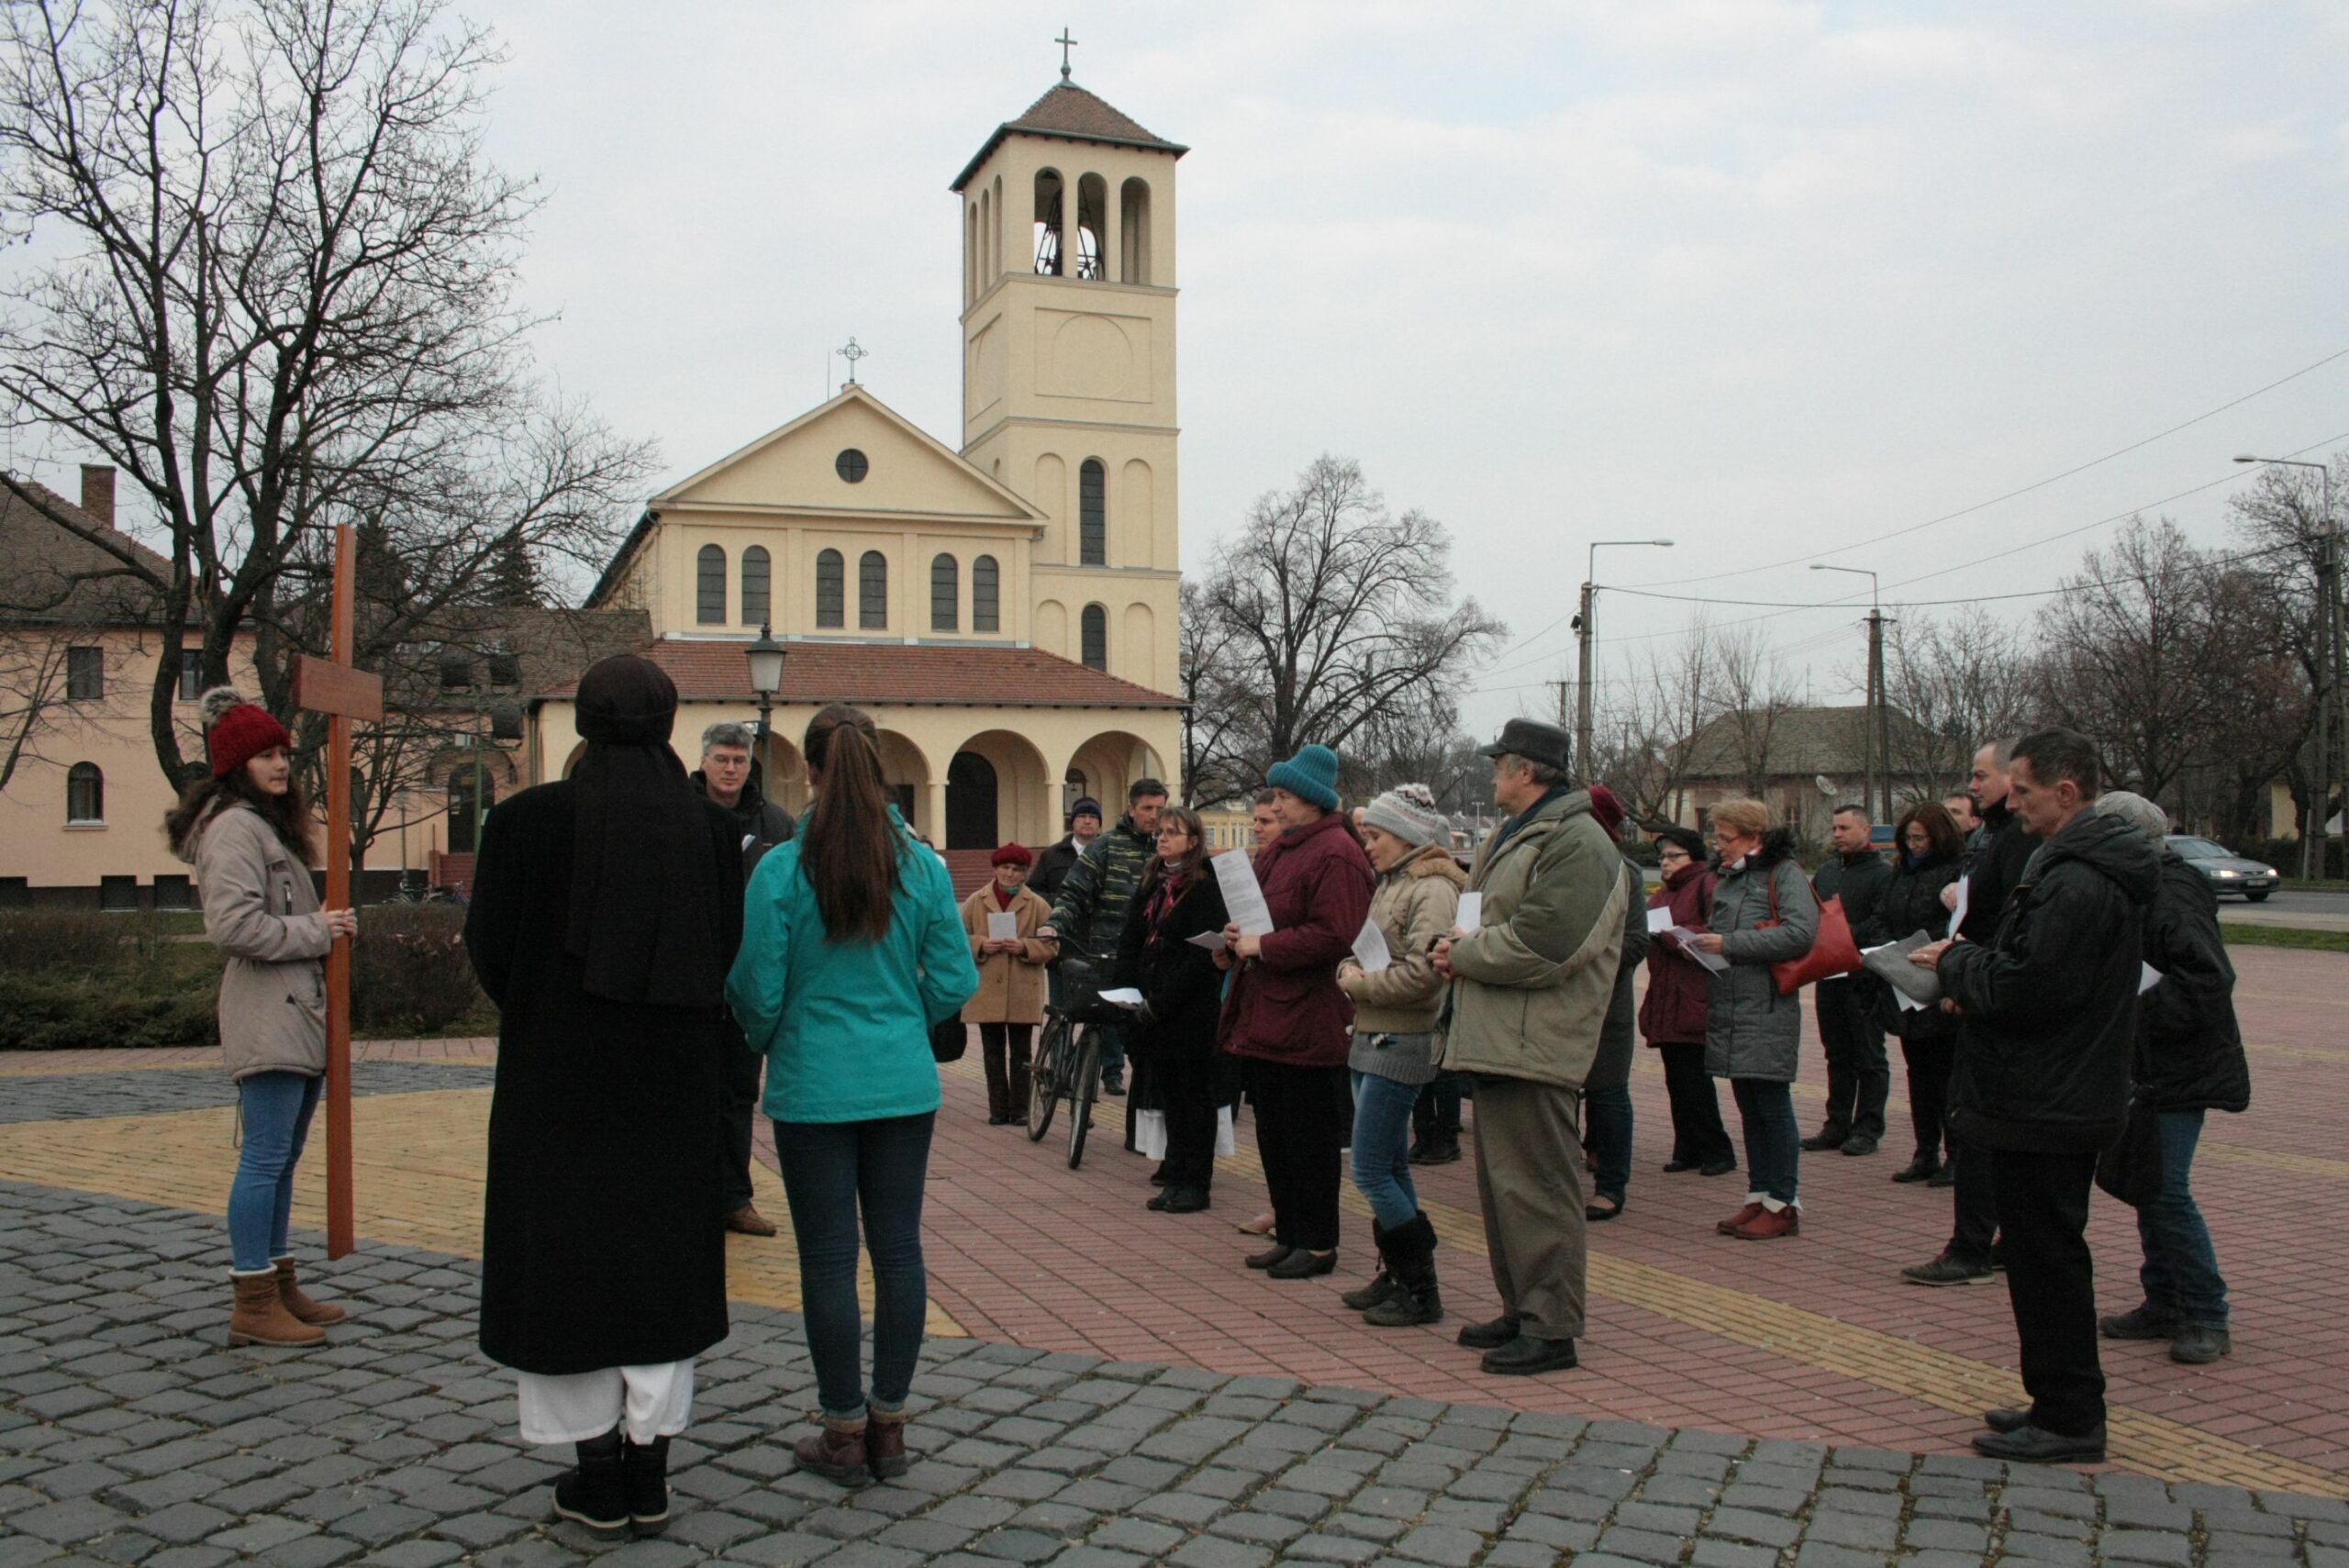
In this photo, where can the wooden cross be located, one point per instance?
(1066, 44)
(333, 687)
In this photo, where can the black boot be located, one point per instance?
(644, 1475)
(1411, 1252)
(593, 1493)
(1382, 1283)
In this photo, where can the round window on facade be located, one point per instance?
(850, 465)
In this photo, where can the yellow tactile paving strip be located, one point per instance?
(418, 1164)
(2151, 1444)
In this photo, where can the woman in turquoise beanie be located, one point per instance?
(1285, 1018)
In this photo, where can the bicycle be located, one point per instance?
(1067, 1063)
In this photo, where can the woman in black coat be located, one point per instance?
(1929, 853)
(1183, 993)
(605, 910)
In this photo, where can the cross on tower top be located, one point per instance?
(851, 354)
(1066, 44)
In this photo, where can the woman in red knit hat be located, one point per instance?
(248, 833)
(1009, 1002)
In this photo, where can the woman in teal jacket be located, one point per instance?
(853, 946)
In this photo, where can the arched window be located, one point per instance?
(832, 589)
(945, 594)
(986, 589)
(1096, 631)
(1092, 209)
(1093, 514)
(1133, 232)
(709, 586)
(872, 591)
(86, 794)
(755, 577)
(1048, 222)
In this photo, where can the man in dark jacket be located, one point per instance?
(728, 780)
(1998, 850)
(2050, 1025)
(1089, 910)
(1859, 1079)
(2189, 1060)
(1054, 864)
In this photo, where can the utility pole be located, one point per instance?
(1581, 686)
(1874, 731)
(1561, 685)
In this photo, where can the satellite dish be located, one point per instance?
(1826, 786)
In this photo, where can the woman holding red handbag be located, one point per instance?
(1763, 913)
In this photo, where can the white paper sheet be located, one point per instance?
(2147, 978)
(1957, 915)
(1003, 928)
(1659, 920)
(1243, 899)
(1123, 997)
(1907, 1004)
(1370, 948)
(1472, 912)
(1711, 960)
(1211, 940)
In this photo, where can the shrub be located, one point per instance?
(49, 941)
(168, 998)
(410, 971)
(2284, 854)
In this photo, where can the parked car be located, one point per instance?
(2228, 872)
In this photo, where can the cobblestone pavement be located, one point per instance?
(130, 1436)
(73, 1098)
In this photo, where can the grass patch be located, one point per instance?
(2241, 935)
(2313, 885)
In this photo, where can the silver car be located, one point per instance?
(2228, 872)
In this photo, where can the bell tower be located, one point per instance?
(1068, 368)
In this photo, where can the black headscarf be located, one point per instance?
(643, 888)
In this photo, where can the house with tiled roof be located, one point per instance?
(1004, 604)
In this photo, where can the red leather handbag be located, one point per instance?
(1833, 950)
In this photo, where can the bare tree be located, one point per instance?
(2280, 522)
(1962, 680)
(1338, 619)
(282, 296)
(1644, 726)
(1754, 694)
(1216, 743)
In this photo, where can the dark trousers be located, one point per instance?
(836, 1172)
(1186, 1089)
(1929, 1061)
(2051, 1280)
(1698, 1136)
(1301, 1115)
(1606, 1139)
(1435, 1115)
(1858, 1078)
(738, 1102)
(1004, 1048)
(1772, 1137)
(1976, 1202)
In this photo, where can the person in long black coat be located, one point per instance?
(1183, 991)
(607, 907)
(1928, 854)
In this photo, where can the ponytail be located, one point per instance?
(847, 846)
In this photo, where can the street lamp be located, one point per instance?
(2329, 679)
(765, 657)
(1876, 744)
(1583, 625)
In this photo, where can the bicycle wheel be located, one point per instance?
(1044, 1079)
(1085, 1083)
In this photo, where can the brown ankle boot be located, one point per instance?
(317, 1313)
(885, 1445)
(836, 1453)
(260, 1317)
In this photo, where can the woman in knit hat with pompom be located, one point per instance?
(247, 832)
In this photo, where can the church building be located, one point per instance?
(1005, 608)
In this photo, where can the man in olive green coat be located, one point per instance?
(1530, 986)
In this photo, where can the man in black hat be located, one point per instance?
(1532, 981)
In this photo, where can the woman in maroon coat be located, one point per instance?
(1285, 1018)
(1673, 1016)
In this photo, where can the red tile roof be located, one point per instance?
(716, 671)
(1068, 110)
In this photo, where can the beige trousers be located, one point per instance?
(1528, 1180)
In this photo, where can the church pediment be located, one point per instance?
(853, 455)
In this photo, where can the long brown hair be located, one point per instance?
(1194, 860)
(1948, 840)
(287, 814)
(846, 844)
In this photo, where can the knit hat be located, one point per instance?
(1408, 811)
(1086, 807)
(2143, 815)
(1311, 775)
(235, 732)
(1012, 855)
(1606, 810)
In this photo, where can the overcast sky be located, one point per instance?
(1769, 279)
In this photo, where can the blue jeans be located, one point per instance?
(276, 1109)
(1607, 1114)
(1773, 1138)
(1383, 1149)
(832, 1171)
(2181, 1268)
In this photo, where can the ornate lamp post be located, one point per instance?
(765, 658)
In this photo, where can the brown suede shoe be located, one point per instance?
(836, 1453)
(747, 1220)
(885, 1445)
(260, 1317)
(317, 1313)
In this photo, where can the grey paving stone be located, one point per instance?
(2146, 1546)
(1214, 1552)
(413, 1554)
